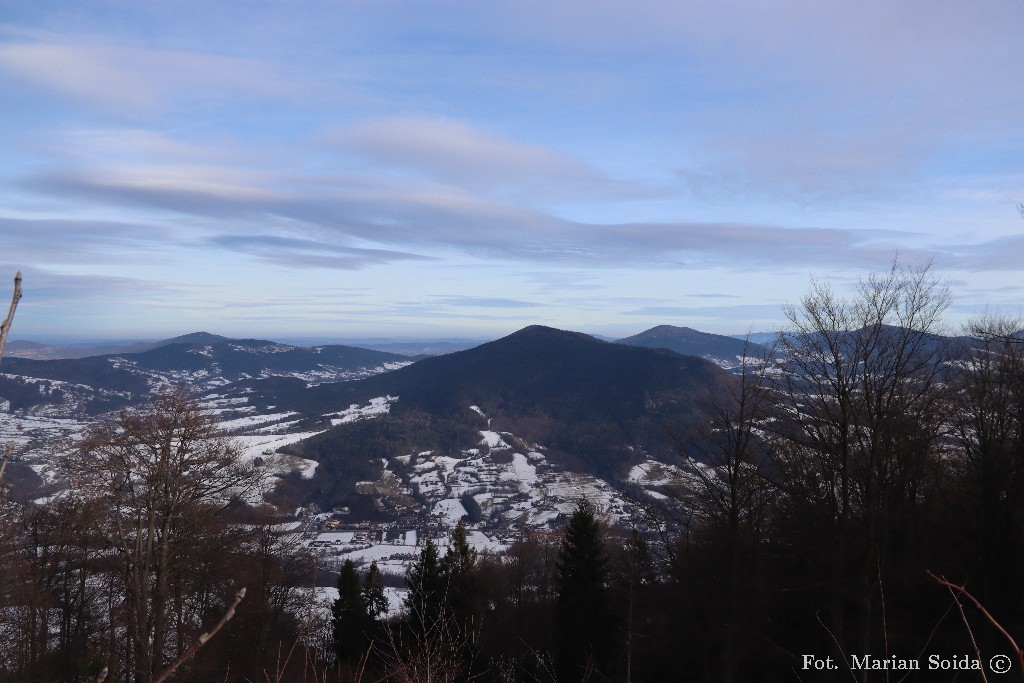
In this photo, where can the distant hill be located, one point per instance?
(37, 351)
(589, 400)
(195, 338)
(190, 338)
(566, 375)
(236, 359)
(690, 342)
(409, 348)
(25, 346)
(765, 338)
(199, 360)
(92, 385)
(929, 342)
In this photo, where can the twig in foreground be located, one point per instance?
(988, 615)
(202, 639)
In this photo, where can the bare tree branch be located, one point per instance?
(1002, 329)
(8, 450)
(202, 639)
(988, 615)
(4, 328)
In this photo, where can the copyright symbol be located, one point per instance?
(999, 664)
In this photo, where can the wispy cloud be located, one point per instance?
(71, 241)
(45, 287)
(302, 253)
(427, 221)
(739, 311)
(460, 154)
(484, 302)
(999, 254)
(130, 79)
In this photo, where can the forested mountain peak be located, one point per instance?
(691, 342)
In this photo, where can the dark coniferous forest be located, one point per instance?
(857, 506)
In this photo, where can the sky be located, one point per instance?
(463, 169)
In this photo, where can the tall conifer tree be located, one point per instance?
(459, 567)
(583, 614)
(427, 589)
(374, 599)
(351, 621)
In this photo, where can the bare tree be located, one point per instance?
(859, 414)
(996, 328)
(165, 478)
(440, 652)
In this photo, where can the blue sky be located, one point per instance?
(413, 169)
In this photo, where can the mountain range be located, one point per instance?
(95, 384)
(595, 406)
(567, 401)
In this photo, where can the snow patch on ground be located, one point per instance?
(654, 473)
(251, 421)
(493, 440)
(275, 464)
(449, 511)
(522, 471)
(376, 407)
